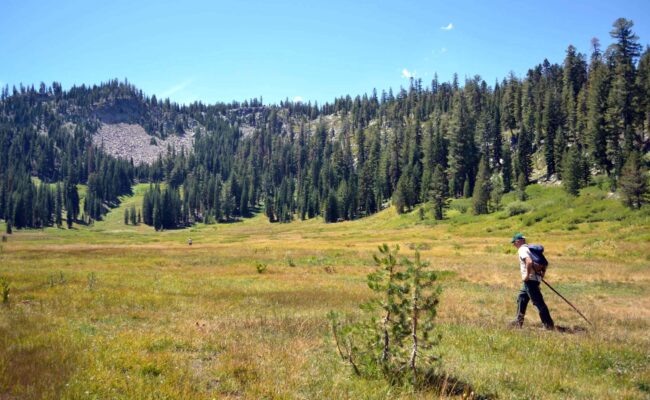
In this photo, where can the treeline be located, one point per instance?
(587, 116)
(37, 206)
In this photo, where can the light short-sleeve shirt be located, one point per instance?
(524, 252)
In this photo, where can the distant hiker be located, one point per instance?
(189, 241)
(530, 286)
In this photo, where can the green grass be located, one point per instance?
(120, 311)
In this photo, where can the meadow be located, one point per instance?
(121, 311)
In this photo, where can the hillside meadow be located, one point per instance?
(120, 311)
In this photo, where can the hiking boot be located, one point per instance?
(549, 327)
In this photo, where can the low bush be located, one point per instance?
(517, 208)
(261, 267)
(4, 290)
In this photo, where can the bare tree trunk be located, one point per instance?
(414, 333)
(351, 360)
(348, 350)
(384, 354)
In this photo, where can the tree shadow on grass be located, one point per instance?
(570, 329)
(447, 385)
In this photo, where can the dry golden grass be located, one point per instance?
(124, 312)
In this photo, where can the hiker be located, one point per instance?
(530, 286)
(189, 241)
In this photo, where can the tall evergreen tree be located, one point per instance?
(506, 169)
(331, 208)
(482, 188)
(598, 84)
(643, 99)
(634, 182)
(572, 171)
(438, 192)
(58, 213)
(620, 114)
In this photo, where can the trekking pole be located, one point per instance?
(567, 301)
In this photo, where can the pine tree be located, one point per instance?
(496, 192)
(467, 189)
(400, 195)
(482, 188)
(643, 98)
(634, 182)
(574, 76)
(72, 201)
(58, 213)
(243, 204)
(157, 217)
(524, 164)
(551, 120)
(227, 200)
(331, 208)
(459, 143)
(506, 169)
(620, 113)
(147, 207)
(132, 215)
(596, 109)
(438, 192)
(397, 339)
(572, 171)
(427, 160)
(521, 187)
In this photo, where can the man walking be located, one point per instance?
(530, 286)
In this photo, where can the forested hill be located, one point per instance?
(342, 160)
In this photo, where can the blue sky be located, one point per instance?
(222, 51)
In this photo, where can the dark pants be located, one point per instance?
(530, 291)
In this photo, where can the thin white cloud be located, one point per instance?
(297, 99)
(176, 88)
(443, 50)
(408, 74)
(448, 27)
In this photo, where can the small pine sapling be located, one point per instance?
(396, 339)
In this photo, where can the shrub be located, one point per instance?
(53, 280)
(4, 290)
(92, 281)
(460, 205)
(517, 208)
(261, 267)
(290, 261)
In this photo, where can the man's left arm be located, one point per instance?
(529, 267)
